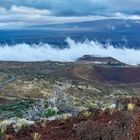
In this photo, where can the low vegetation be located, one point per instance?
(50, 95)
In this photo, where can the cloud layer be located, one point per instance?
(78, 7)
(22, 13)
(41, 52)
(23, 16)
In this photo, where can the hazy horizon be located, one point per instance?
(37, 29)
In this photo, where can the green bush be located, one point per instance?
(50, 111)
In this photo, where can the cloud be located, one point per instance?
(28, 16)
(41, 52)
(78, 7)
(127, 17)
(23, 16)
(29, 10)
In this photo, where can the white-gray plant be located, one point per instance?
(35, 112)
(17, 124)
(60, 99)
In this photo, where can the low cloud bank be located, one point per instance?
(41, 52)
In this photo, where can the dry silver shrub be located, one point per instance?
(35, 112)
(61, 100)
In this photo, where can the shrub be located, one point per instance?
(3, 125)
(61, 100)
(50, 111)
(36, 136)
(131, 106)
(35, 111)
(16, 123)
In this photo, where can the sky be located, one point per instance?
(22, 13)
(16, 14)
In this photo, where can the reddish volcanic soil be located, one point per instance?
(109, 74)
(107, 125)
(119, 74)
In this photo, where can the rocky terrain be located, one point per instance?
(80, 100)
(93, 124)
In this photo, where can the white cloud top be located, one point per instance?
(26, 52)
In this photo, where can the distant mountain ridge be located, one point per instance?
(117, 32)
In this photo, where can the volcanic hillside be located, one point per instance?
(109, 74)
